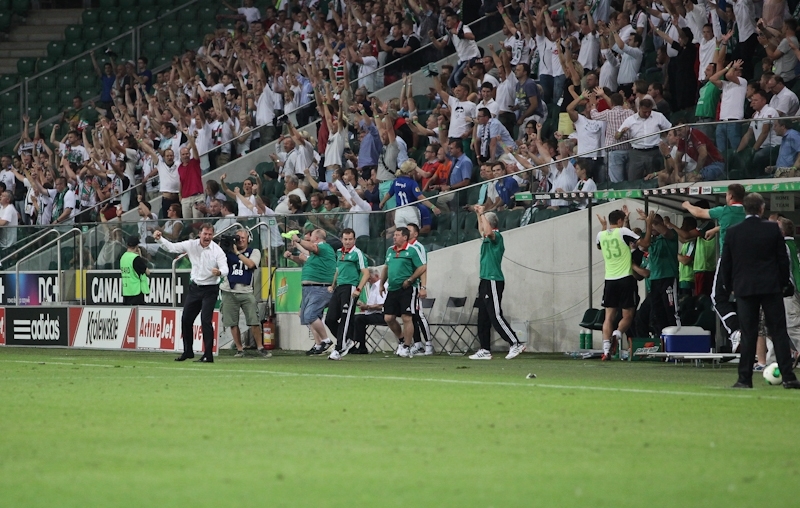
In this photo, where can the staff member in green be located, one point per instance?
(490, 290)
(620, 286)
(317, 275)
(351, 275)
(135, 280)
(402, 269)
(663, 265)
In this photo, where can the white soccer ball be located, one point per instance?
(772, 375)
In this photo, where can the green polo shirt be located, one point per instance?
(687, 271)
(349, 265)
(705, 255)
(707, 101)
(492, 257)
(321, 266)
(663, 257)
(401, 265)
(726, 216)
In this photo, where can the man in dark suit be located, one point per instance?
(755, 266)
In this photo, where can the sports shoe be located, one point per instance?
(315, 350)
(399, 349)
(428, 349)
(346, 347)
(318, 350)
(405, 352)
(335, 355)
(326, 344)
(736, 338)
(263, 353)
(515, 350)
(614, 345)
(239, 354)
(759, 368)
(482, 354)
(606, 357)
(418, 348)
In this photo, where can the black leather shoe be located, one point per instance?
(204, 359)
(740, 384)
(794, 384)
(183, 358)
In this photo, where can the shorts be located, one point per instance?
(620, 293)
(398, 302)
(313, 301)
(405, 216)
(232, 302)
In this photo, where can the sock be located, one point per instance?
(429, 343)
(327, 341)
(418, 345)
(617, 334)
(606, 346)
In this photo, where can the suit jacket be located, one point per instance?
(754, 259)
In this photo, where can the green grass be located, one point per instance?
(82, 428)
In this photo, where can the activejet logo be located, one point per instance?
(153, 328)
(45, 328)
(101, 328)
(157, 329)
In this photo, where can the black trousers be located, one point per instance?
(422, 330)
(725, 309)
(490, 314)
(199, 300)
(133, 300)
(775, 319)
(340, 314)
(360, 324)
(664, 304)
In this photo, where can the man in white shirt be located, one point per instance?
(734, 90)
(491, 139)
(166, 171)
(784, 101)
(761, 131)
(631, 60)
(63, 202)
(372, 312)
(590, 45)
(590, 133)
(645, 157)
(744, 12)
(9, 220)
(487, 101)
(460, 109)
(291, 187)
(367, 65)
(466, 48)
(209, 263)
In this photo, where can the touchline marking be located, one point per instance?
(642, 391)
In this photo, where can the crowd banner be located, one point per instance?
(36, 326)
(102, 327)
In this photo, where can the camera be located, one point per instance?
(226, 242)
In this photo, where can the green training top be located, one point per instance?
(349, 265)
(726, 216)
(686, 272)
(321, 266)
(707, 101)
(492, 257)
(401, 265)
(615, 246)
(663, 257)
(791, 245)
(705, 255)
(423, 256)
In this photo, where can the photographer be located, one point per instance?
(237, 290)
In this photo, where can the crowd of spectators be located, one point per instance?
(577, 80)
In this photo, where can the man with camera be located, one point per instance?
(208, 265)
(237, 290)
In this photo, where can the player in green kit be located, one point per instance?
(620, 286)
(402, 269)
(726, 216)
(490, 290)
(348, 281)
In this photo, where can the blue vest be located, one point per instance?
(238, 272)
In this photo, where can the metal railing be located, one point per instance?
(56, 241)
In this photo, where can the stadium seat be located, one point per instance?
(49, 111)
(92, 32)
(150, 32)
(65, 97)
(49, 98)
(169, 29)
(88, 94)
(513, 218)
(5, 21)
(186, 15)
(73, 33)
(73, 49)
(188, 30)
(7, 81)
(10, 98)
(84, 65)
(207, 27)
(111, 31)
(173, 46)
(207, 14)
(20, 7)
(129, 16)
(43, 64)
(66, 80)
(45, 82)
(55, 49)
(109, 17)
(33, 112)
(88, 82)
(10, 128)
(192, 44)
(26, 66)
(591, 318)
(148, 13)
(90, 17)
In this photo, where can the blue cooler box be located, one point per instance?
(686, 339)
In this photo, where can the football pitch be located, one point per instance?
(102, 429)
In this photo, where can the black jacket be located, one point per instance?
(754, 259)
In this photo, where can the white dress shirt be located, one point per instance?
(785, 102)
(638, 127)
(374, 297)
(203, 260)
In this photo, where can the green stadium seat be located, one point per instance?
(43, 64)
(73, 33)
(66, 80)
(150, 47)
(10, 113)
(513, 218)
(127, 49)
(26, 66)
(49, 110)
(148, 13)
(173, 46)
(49, 98)
(7, 81)
(207, 13)
(55, 49)
(111, 31)
(207, 27)
(109, 16)
(168, 30)
(65, 96)
(128, 16)
(10, 128)
(92, 32)
(84, 65)
(188, 29)
(160, 61)
(116, 47)
(33, 112)
(186, 15)
(88, 82)
(192, 44)
(150, 32)
(73, 48)
(5, 21)
(88, 94)
(45, 82)
(90, 17)
(10, 98)
(20, 7)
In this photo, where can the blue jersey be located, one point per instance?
(405, 190)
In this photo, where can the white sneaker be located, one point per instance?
(482, 354)
(418, 348)
(515, 350)
(405, 352)
(346, 347)
(399, 350)
(335, 356)
(736, 338)
(428, 349)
